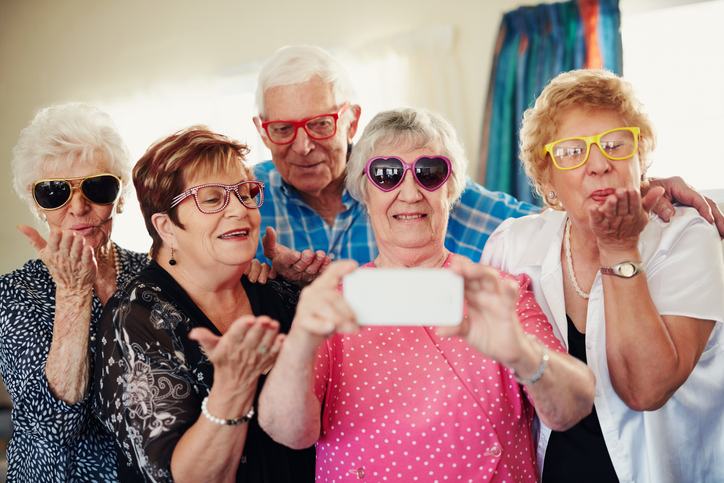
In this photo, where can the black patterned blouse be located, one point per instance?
(150, 378)
(51, 441)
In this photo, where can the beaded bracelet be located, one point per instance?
(541, 368)
(225, 422)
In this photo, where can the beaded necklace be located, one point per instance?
(116, 262)
(569, 259)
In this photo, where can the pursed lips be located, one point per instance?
(601, 195)
(83, 227)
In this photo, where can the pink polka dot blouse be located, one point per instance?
(403, 404)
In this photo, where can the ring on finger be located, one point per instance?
(263, 350)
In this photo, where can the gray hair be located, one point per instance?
(61, 136)
(296, 64)
(408, 129)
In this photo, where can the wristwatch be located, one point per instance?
(625, 269)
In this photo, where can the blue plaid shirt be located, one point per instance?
(299, 227)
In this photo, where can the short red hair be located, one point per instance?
(163, 171)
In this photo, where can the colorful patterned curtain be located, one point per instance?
(534, 45)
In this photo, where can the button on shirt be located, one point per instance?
(299, 227)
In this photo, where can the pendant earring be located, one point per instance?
(172, 262)
(43, 218)
(119, 209)
(551, 194)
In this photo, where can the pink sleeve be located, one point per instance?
(532, 319)
(321, 373)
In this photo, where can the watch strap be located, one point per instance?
(624, 270)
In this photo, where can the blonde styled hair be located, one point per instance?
(594, 89)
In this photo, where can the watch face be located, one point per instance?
(627, 269)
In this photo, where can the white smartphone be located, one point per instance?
(412, 296)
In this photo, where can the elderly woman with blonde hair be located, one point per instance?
(638, 299)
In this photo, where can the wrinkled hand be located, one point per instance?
(248, 349)
(619, 221)
(491, 326)
(259, 272)
(300, 268)
(678, 190)
(70, 261)
(322, 310)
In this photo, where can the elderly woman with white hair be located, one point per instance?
(73, 169)
(419, 403)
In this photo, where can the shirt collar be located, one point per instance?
(544, 248)
(276, 180)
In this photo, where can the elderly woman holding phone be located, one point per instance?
(183, 348)
(72, 168)
(638, 299)
(416, 403)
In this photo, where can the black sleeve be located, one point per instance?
(149, 392)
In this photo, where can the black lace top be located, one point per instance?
(151, 378)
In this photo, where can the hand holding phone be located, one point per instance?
(406, 296)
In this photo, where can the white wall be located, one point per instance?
(60, 51)
(54, 52)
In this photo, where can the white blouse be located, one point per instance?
(683, 440)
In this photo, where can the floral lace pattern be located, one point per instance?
(151, 377)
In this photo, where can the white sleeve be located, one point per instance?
(685, 270)
(496, 250)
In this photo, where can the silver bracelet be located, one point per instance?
(541, 368)
(225, 422)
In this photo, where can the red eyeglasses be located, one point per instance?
(214, 197)
(317, 127)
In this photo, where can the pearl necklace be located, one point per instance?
(116, 261)
(567, 245)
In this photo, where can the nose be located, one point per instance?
(302, 143)
(409, 189)
(235, 206)
(78, 205)
(597, 162)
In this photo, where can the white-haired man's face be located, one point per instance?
(310, 165)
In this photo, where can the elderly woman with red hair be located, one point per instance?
(183, 348)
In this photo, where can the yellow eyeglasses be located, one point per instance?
(616, 144)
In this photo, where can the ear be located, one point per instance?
(356, 110)
(261, 131)
(165, 228)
